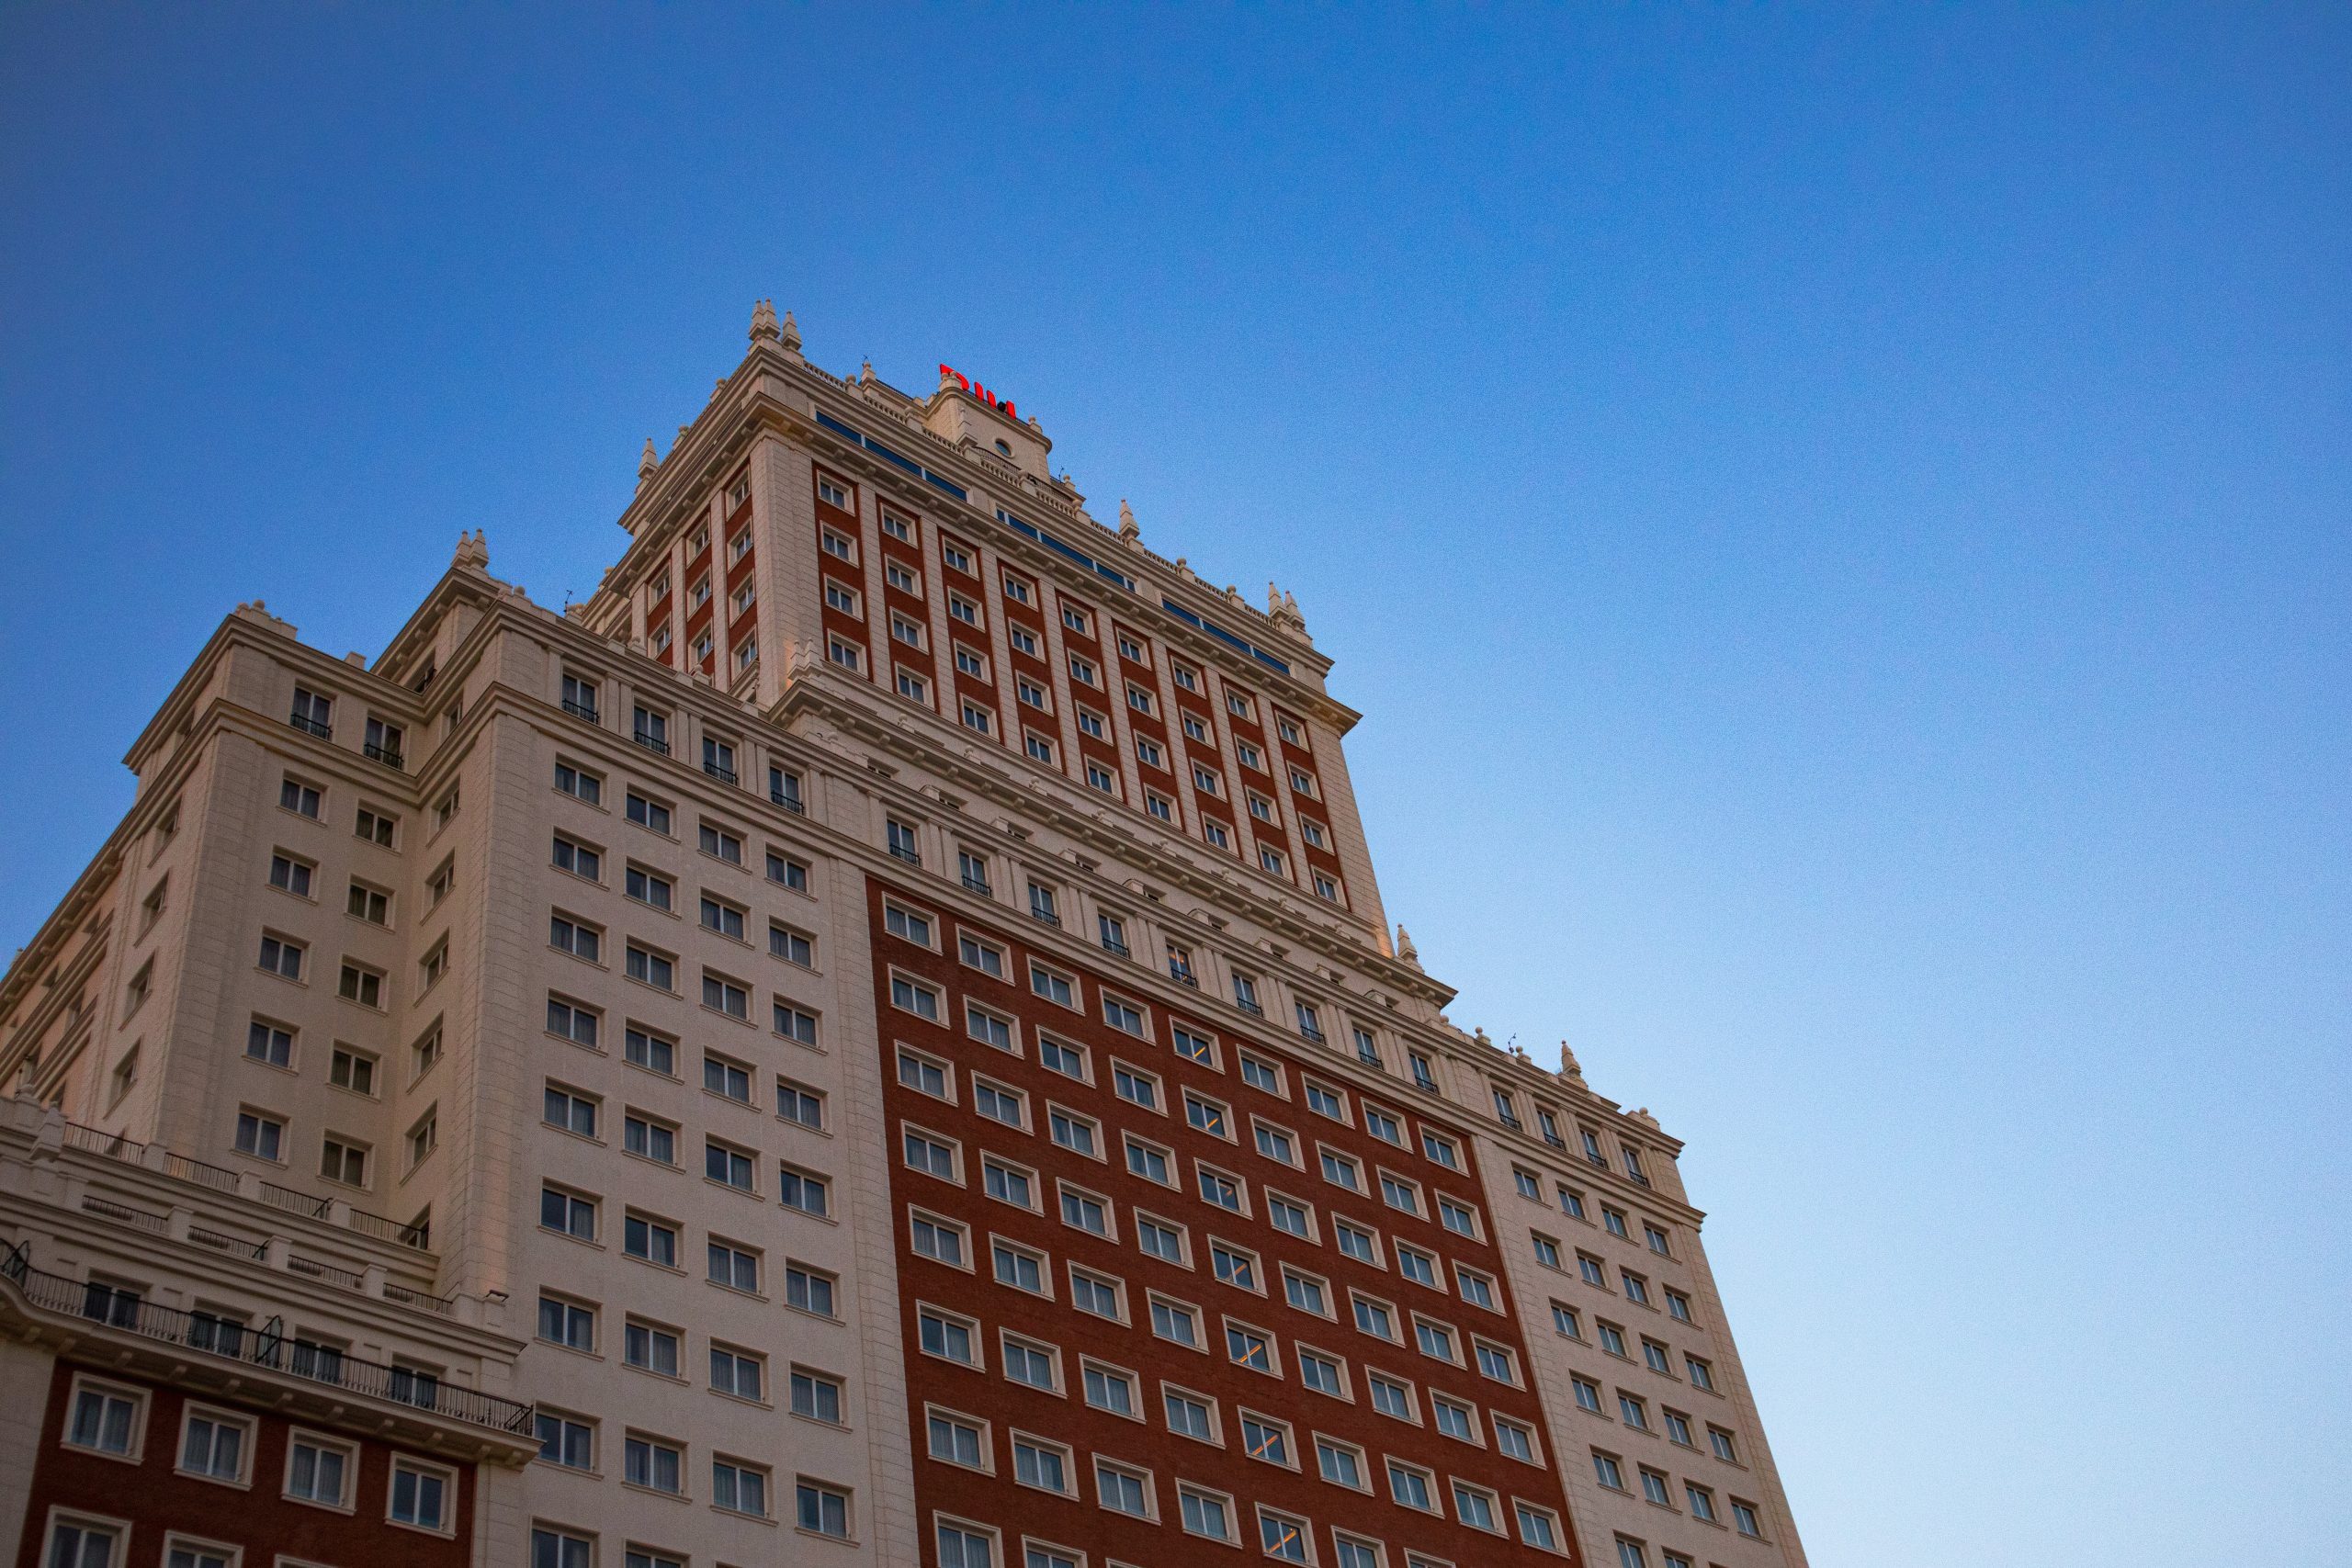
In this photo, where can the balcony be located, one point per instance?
(906, 853)
(1113, 944)
(1183, 974)
(388, 755)
(580, 710)
(1309, 1034)
(724, 774)
(309, 726)
(179, 1167)
(979, 885)
(263, 1349)
(651, 741)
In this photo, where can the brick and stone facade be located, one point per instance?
(876, 1038)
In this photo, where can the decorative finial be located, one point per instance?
(1128, 533)
(1285, 612)
(764, 327)
(1480, 1036)
(473, 549)
(1642, 1114)
(646, 462)
(1405, 951)
(1273, 599)
(866, 374)
(791, 334)
(1569, 1067)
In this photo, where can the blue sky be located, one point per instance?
(1836, 517)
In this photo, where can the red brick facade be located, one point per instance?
(945, 1112)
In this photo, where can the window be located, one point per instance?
(1720, 1441)
(727, 1165)
(654, 1464)
(1457, 1217)
(1176, 1322)
(212, 1444)
(1061, 1056)
(1400, 1194)
(1040, 1464)
(568, 1213)
(1496, 1363)
(1028, 1362)
(282, 956)
(343, 1161)
(933, 1156)
(1000, 1103)
(106, 1419)
(649, 1240)
(723, 995)
(313, 714)
(643, 1048)
(1376, 1318)
(799, 1103)
(1194, 1046)
(1246, 1346)
(1077, 1133)
(1008, 1183)
(1135, 1086)
(809, 1193)
(736, 1267)
(1409, 1485)
(564, 1441)
(269, 1042)
(318, 1470)
(650, 1347)
(1341, 1171)
(808, 1289)
(420, 1495)
(1702, 1502)
(297, 797)
(1357, 1242)
(1417, 1265)
(1208, 1116)
(742, 1373)
(289, 874)
(260, 1135)
(570, 1324)
(1218, 1188)
(1121, 1489)
(958, 1440)
(914, 996)
(649, 968)
(1744, 1519)
(1234, 1266)
(1203, 1513)
(1161, 1240)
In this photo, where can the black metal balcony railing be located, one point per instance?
(1113, 944)
(907, 854)
(979, 885)
(1308, 1032)
(1250, 1005)
(265, 1346)
(114, 1145)
(788, 799)
(131, 1151)
(388, 755)
(580, 710)
(723, 774)
(651, 741)
(309, 726)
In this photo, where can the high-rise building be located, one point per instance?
(874, 1039)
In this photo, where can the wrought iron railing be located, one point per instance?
(265, 1346)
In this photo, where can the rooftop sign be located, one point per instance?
(948, 372)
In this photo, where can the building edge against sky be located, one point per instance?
(876, 1036)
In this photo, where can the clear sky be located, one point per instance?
(1837, 520)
